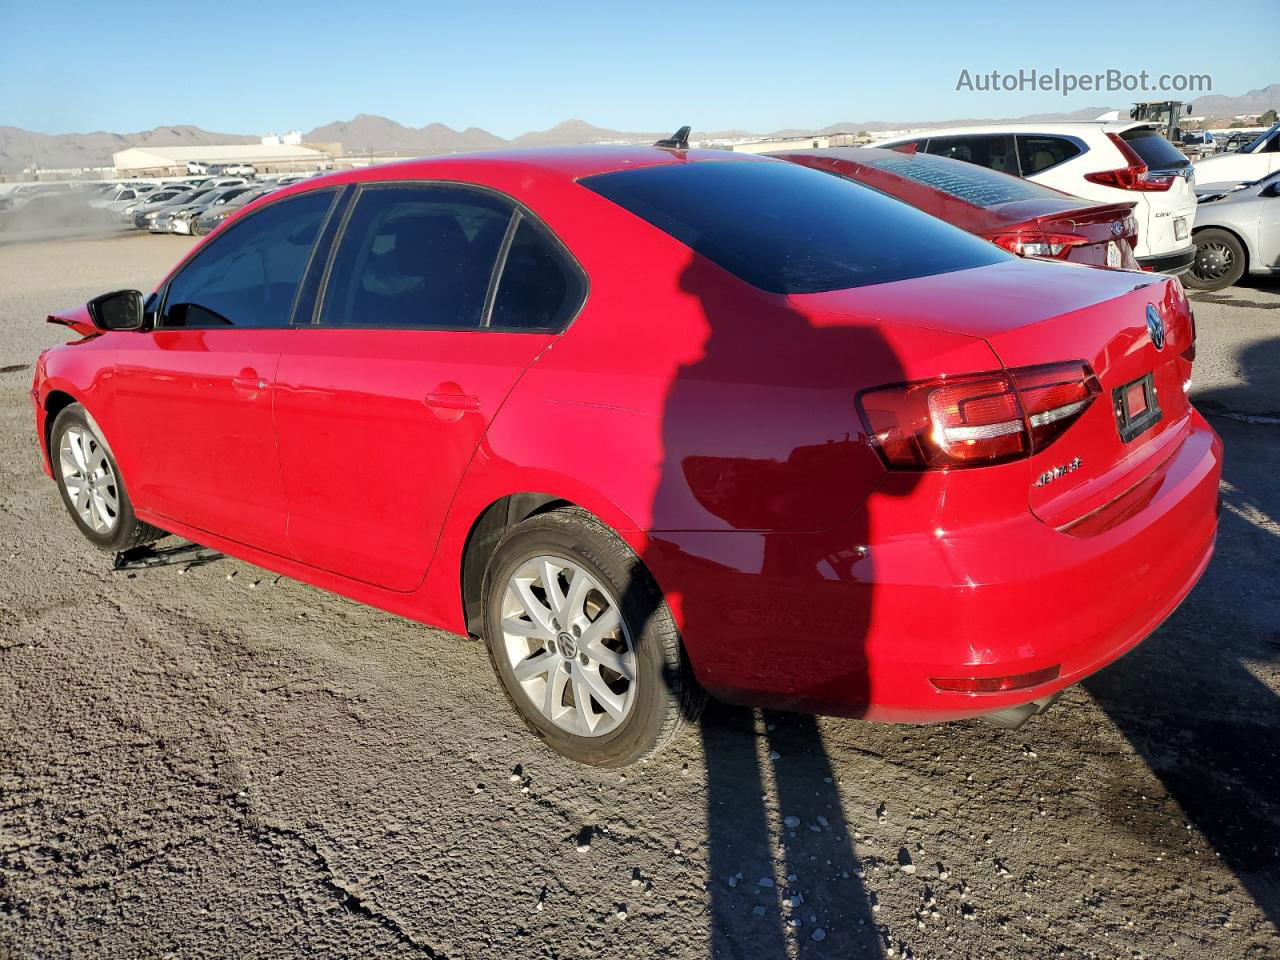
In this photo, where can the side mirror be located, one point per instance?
(120, 310)
(1272, 189)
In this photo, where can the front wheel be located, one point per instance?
(1220, 260)
(89, 480)
(583, 642)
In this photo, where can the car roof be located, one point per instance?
(1064, 127)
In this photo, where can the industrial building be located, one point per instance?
(267, 157)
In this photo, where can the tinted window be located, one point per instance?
(994, 151)
(1156, 152)
(975, 185)
(1039, 153)
(416, 256)
(247, 276)
(787, 229)
(539, 288)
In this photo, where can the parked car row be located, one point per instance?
(188, 206)
(655, 422)
(1102, 161)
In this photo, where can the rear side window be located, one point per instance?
(416, 256)
(539, 288)
(972, 184)
(1156, 152)
(1039, 153)
(994, 151)
(788, 229)
(248, 275)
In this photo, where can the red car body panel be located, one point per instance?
(1053, 214)
(724, 446)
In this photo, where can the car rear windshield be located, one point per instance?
(787, 229)
(1156, 152)
(973, 184)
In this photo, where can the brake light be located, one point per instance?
(1133, 176)
(975, 420)
(1039, 245)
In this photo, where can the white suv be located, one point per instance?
(1106, 161)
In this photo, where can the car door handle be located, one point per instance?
(453, 401)
(249, 383)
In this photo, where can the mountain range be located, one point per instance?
(366, 133)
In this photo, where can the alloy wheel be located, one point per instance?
(568, 647)
(89, 480)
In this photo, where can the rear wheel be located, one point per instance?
(1220, 260)
(91, 486)
(583, 642)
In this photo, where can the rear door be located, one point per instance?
(438, 297)
(197, 389)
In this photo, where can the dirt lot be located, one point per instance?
(210, 761)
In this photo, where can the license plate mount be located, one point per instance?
(1137, 407)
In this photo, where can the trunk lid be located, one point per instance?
(1033, 313)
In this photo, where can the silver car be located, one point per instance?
(1237, 232)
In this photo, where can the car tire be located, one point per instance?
(1220, 260)
(91, 485)
(639, 689)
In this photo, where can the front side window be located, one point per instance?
(248, 276)
(1039, 153)
(994, 151)
(416, 256)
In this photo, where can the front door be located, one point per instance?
(197, 390)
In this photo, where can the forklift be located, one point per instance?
(1167, 113)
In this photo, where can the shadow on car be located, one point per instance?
(784, 882)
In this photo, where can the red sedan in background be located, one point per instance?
(1025, 218)
(654, 421)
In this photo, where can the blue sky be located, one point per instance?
(512, 67)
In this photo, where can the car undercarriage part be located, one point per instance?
(1012, 718)
(147, 556)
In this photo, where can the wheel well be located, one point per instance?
(485, 534)
(54, 404)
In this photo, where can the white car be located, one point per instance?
(1104, 161)
(241, 169)
(1253, 161)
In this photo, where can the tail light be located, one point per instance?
(1133, 176)
(1039, 245)
(975, 420)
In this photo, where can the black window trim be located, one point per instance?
(163, 293)
(519, 213)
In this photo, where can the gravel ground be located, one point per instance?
(206, 760)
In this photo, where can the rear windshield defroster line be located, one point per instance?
(787, 229)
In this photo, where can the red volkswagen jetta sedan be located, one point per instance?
(652, 422)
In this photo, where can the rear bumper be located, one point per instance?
(1170, 263)
(849, 623)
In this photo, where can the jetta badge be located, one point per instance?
(1155, 327)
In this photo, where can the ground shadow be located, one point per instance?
(1187, 699)
(768, 612)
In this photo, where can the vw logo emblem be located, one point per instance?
(1117, 228)
(1155, 327)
